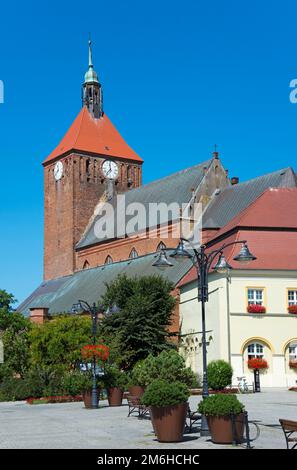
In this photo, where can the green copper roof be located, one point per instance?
(91, 76)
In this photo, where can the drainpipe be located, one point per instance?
(228, 318)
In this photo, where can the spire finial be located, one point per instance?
(90, 52)
(215, 153)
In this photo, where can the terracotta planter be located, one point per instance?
(169, 422)
(136, 391)
(87, 396)
(221, 428)
(115, 396)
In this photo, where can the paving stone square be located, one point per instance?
(71, 426)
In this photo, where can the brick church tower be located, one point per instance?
(91, 162)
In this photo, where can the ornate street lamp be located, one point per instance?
(93, 310)
(203, 263)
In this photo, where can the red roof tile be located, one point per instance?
(98, 136)
(269, 225)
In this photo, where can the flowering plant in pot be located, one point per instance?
(257, 363)
(293, 364)
(292, 309)
(254, 308)
(220, 410)
(115, 382)
(168, 402)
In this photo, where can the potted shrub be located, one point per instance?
(254, 308)
(115, 382)
(78, 382)
(168, 402)
(292, 309)
(218, 410)
(219, 374)
(257, 363)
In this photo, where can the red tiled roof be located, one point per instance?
(269, 225)
(98, 136)
(275, 207)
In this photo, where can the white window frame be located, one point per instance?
(293, 352)
(255, 350)
(254, 299)
(292, 301)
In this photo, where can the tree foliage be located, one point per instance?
(59, 341)
(219, 374)
(141, 326)
(14, 332)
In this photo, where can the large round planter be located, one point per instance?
(169, 422)
(136, 391)
(115, 396)
(87, 396)
(220, 428)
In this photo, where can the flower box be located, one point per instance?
(292, 309)
(293, 364)
(254, 308)
(257, 363)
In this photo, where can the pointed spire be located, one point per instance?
(91, 76)
(90, 53)
(91, 91)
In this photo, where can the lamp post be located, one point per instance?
(203, 261)
(93, 310)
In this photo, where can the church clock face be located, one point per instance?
(110, 169)
(58, 171)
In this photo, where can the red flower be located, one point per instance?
(293, 364)
(292, 309)
(254, 308)
(99, 351)
(257, 363)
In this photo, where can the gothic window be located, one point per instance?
(133, 254)
(88, 167)
(108, 260)
(86, 265)
(161, 246)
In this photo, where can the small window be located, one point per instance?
(86, 265)
(108, 260)
(161, 246)
(292, 297)
(293, 352)
(255, 350)
(255, 296)
(133, 254)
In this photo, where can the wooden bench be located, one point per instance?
(135, 406)
(289, 428)
(192, 418)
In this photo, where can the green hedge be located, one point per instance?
(162, 393)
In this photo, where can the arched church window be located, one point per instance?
(108, 260)
(133, 254)
(161, 246)
(86, 265)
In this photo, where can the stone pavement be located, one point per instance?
(71, 426)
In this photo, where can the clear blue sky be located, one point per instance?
(178, 77)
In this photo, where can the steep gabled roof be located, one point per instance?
(232, 200)
(99, 136)
(176, 188)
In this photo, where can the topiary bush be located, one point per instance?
(163, 393)
(220, 405)
(219, 374)
(168, 366)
